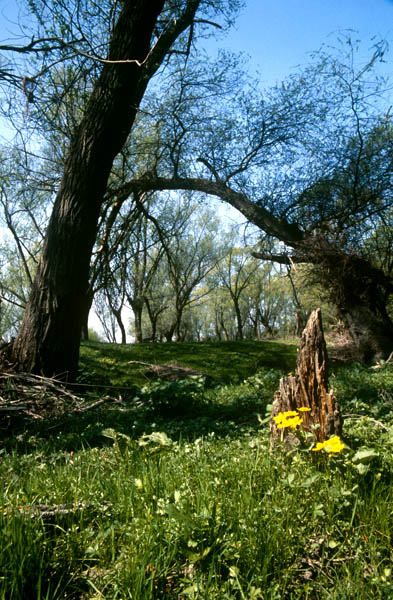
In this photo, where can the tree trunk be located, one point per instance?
(269, 329)
(360, 291)
(239, 320)
(85, 322)
(169, 333)
(222, 325)
(372, 334)
(137, 308)
(48, 341)
(153, 317)
(175, 328)
(301, 318)
(119, 320)
(309, 388)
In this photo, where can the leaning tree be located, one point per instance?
(141, 38)
(309, 163)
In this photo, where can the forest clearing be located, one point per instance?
(170, 489)
(177, 209)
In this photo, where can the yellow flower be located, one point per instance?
(332, 445)
(335, 445)
(304, 409)
(294, 422)
(279, 419)
(319, 446)
(289, 418)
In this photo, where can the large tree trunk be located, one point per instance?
(357, 288)
(48, 341)
(372, 333)
(360, 291)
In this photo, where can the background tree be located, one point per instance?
(270, 308)
(310, 164)
(236, 274)
(190, 255)
(127, 273)
(139, 42)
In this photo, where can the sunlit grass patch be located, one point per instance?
(224, 362)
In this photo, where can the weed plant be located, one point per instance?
(175, 493)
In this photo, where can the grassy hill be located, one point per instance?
(153, 489)
(224, 362)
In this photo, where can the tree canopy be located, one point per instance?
(122, 106)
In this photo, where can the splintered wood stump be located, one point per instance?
(309, 388)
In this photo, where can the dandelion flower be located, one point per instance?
(332, 445)
(294, 422)
(304, 409)
(279, 418)
(289, 418)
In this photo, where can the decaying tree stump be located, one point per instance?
(308, 388)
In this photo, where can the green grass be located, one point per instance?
(175, 493)
(225, 362)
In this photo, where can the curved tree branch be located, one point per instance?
(257, 214)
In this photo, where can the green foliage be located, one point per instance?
(94, 336)
(176, 493)
(173, 397)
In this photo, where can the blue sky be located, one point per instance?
(278, 34)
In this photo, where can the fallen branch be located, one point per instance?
(379, 365)
(169, 372)
(33, 397)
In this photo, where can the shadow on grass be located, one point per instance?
(225, 406)
(196, 419)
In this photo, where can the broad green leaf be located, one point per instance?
(365, 456)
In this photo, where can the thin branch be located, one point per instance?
(282, 259)
(32, 46)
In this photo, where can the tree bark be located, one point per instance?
(301, 318)
(239, 319)
(48, 341)
(372, 333)
(137, 307)
(153, 317)
(119, 320)
(309, 388)
(361, 291)
(49, 338)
